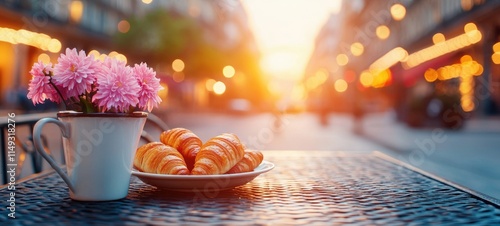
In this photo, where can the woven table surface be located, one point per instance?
(305, 187)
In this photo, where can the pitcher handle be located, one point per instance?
(37, 130)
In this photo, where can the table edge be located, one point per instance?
(484, 197)
(44, 173)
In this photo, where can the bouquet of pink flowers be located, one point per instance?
(89, 85)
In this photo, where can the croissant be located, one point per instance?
(157, 157)
(218, 155)
(139, 154)
(185, 141)
(250, 161)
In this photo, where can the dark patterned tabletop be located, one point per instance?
(305, 187)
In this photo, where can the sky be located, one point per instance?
(285, 31)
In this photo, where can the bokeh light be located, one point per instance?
(357, 49)
(178, 65)
(430, 75)
(340, 85)
(123, 26)
(76, 11)
(438, 38)
(178, 76)
(209, 84)
(228, 71)
(54, 45)
(382, 32)
(496, 47)
(469, 27)
(495, 58)
(219, 88)
(398, 11)
(342, 59)
(366, 78)
(44, 58)
(94, 53)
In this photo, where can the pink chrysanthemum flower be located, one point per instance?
(75, 72)
(40, 88)
(150, 85)
(117, 87)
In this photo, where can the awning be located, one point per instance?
(411, 76)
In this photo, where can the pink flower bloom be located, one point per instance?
(117, 87)
(40, 88)
(150, 85)
(75, 72)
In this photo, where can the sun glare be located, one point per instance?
(285, 32)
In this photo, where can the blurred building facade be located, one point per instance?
(41, 30)
(432, 61)
(225, 26)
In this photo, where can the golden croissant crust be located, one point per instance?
(185, 141)
(157, 157)
(250, 161)
(218, 155)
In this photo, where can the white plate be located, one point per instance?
(195, 183)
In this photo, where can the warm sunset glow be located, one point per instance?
(285, 32)
(382, 32)
(398, 12)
